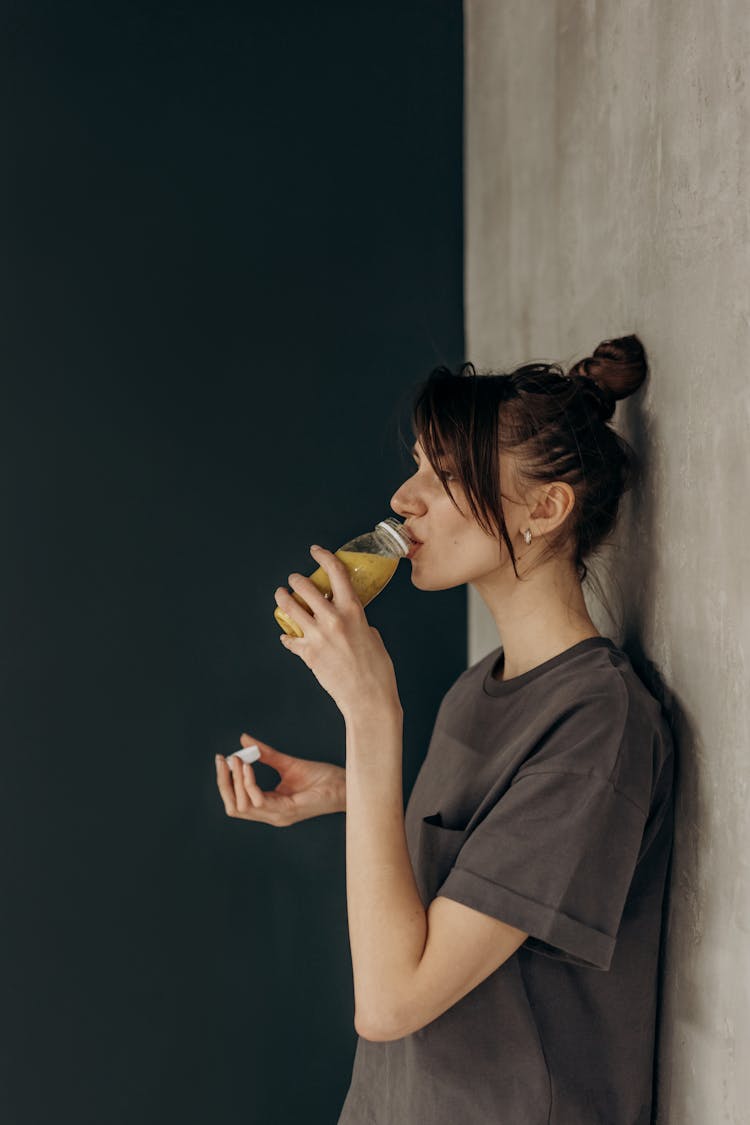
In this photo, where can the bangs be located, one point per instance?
(455, 417)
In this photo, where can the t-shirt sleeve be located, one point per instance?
(555, 856)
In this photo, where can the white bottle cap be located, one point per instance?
(393, 528)
(248, 754)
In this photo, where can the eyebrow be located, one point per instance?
(414, 452)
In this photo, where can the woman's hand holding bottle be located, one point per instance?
(306, 788)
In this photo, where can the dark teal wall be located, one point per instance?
(231, 243)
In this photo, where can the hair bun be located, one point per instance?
(615, 370)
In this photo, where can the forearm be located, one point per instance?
(340, 792)
(387, 922)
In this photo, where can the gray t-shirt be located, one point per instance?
(546, 801)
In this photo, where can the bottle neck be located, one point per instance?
(392, 533)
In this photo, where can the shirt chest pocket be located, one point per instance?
(437, 848)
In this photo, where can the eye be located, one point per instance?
(443, 475)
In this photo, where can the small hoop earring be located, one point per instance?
(527, 536)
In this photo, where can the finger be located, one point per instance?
(229, 796)
(291, 606)
(241, 798)
(271, 757)
(223, 780)
(338, 576)
(253, 790)
(308, 597)
(319, 602)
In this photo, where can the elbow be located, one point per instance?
(377, 1031)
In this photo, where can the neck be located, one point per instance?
(537, 618)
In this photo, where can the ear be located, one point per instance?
(554, 504)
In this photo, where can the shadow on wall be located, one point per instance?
(639, 601)
(679, 726)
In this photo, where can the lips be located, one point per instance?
(416, 543)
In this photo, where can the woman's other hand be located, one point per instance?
(306, 788)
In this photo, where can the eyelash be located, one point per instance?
(443, 475)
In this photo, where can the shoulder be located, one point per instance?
(600, 720)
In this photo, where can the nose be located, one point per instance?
(399, 502)
(394, 501)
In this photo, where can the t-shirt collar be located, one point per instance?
(495, 687)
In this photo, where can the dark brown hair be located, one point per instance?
(556, 426)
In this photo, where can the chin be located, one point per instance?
(422, 582)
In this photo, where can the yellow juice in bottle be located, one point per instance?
(368, 573)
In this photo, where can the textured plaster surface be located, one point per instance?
(607, 191)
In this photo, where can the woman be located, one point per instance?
(505, 930)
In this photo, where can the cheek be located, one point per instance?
(457, 521)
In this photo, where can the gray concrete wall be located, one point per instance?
(606, 181)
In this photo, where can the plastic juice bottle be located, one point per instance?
(371, 560)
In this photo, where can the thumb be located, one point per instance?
(267, 753)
